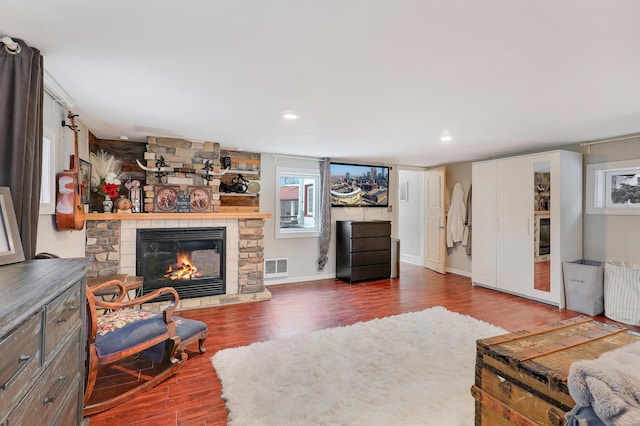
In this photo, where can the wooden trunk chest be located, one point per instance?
(521, 377)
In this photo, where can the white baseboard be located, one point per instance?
(459, 272)
(413, 260)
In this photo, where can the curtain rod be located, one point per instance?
(619, 138)
(10, 45)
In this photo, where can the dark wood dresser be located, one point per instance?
(42, 342)
(363, 250)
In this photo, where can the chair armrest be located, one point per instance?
(120, 293)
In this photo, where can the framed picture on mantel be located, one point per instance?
(166, 198)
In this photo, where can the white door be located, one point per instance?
(483, 223)
(435, 250)
(515, 224)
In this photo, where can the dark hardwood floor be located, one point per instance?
(193, 396)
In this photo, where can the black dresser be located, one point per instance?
(363, 250)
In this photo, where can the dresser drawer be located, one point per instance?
(370, 229)
(362, 273)
(370, 244)
(19, 359)
(51, 391)
(62, 316)
(71, 406)
(371, 258)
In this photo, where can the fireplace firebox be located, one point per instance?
(191, 260)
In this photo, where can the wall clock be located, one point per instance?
(165, 198)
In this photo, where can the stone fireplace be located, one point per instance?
(112, 244)
(112, 238)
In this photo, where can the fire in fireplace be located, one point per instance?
(191, 260)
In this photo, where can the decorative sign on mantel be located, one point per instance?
(183, 205)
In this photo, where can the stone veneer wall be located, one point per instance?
(109, 255)
(181, 154)
(251, 255)
(103, 247)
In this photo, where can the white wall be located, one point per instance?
(303, 253)
(50, 240)
(610, 237)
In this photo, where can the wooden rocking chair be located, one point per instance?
(126, 331)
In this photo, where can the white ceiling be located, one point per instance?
(372, 80)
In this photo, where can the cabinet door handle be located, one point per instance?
(24, 360)
(61, 381)
(72, 309)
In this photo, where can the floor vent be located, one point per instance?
(274, 268)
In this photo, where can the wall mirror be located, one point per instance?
(10, 244)
(542, 225)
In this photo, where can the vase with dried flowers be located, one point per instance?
(105, 177)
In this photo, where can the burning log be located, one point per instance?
(183, 269)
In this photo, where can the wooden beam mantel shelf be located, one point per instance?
(176, 216)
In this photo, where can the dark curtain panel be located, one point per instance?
(325, 212)
(21, 96)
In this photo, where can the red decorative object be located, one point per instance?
(110, 189)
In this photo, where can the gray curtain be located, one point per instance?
(325, 212)
(21, 95)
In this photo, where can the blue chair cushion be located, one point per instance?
(124, 329)
(120, 330)
(187, 328)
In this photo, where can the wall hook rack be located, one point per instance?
(73, 127)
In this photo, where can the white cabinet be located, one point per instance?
(484, 223)
(506, 232)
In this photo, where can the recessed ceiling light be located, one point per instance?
(446, 138)
(290, 115)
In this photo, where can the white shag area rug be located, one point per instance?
(410, 369)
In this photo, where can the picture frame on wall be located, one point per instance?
(165, 198)
(200, 198)
(10, 243)
(84, 176)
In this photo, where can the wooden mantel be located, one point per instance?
(176, 216)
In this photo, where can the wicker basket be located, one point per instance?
(622, 292)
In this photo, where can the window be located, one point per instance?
(48, 181)
(308, 200)
(613, 188)
(297, 198)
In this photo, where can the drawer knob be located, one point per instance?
(24, 361)
(61, 381)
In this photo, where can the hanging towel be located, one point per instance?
(456, 216)
(466, 237)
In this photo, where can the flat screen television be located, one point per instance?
(357, 185)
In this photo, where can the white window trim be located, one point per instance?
(296, 232)
(596, 191)
(48, 168)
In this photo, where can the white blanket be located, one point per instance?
(610, 384)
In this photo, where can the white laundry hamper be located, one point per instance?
(622, 292)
